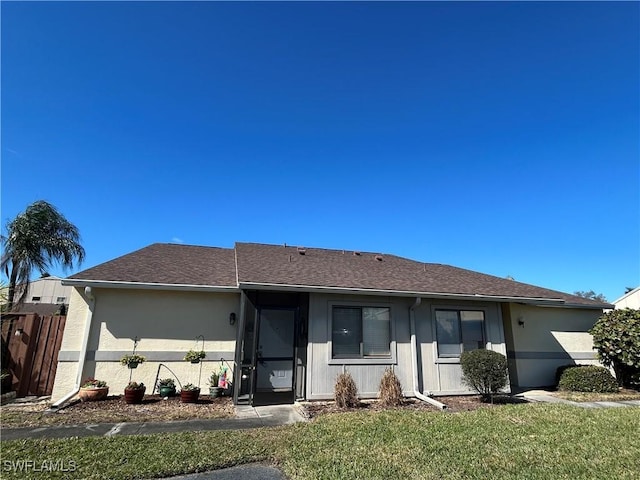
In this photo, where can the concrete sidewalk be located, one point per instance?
(544, 396)
(241, 472)
(246, 417)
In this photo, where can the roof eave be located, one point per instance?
(598, 306)
(400, 293)
(76, 282)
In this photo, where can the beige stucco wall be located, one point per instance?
(166, 324)
(74, 329)
(540, 339)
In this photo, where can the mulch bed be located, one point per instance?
(161, 407)
(454, 404)
(114, 409)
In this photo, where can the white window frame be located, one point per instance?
(458, 308)
(373, 360)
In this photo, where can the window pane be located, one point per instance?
(347, 332)
(448, 331)
(376, 335)
(472, 330)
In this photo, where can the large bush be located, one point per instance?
(345, 391)
(616, 337)
(485, 371)
(587, 378)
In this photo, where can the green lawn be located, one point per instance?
(508, 442)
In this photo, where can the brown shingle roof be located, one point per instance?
(168, 264)
(310, 267)
(258, 263)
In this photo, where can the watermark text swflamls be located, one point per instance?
(43, 466)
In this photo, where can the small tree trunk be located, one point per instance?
(618, 369)
(12, 288)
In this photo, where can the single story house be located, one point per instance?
(288, 320)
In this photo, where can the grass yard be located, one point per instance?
(510, 442)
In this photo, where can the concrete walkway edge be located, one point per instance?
(545, 397)
(246, 418)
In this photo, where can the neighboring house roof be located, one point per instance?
(253, 265)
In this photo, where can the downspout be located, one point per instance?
(414, 358)
(83, 350)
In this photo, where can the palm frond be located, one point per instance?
(37, 239)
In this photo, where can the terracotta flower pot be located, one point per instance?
(189, 396)
(134, 395)
(93, 394)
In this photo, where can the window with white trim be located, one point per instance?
(459, 331)
(361, 332)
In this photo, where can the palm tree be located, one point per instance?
(38, 238)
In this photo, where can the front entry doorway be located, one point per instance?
(271, 348)
(275, 356)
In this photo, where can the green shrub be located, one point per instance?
(346, 392)
(485, 371)
(587, 378)
(560, 370)
(616, 337)
(390, 389)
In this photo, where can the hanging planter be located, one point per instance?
(132, 361)
(194, 356)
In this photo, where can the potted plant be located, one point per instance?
(167, 387)
(215, 390)
(134, 392)
(133, 360)
(194, 356)
(93, 390)
(189, 393)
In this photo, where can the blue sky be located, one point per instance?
(499, 137)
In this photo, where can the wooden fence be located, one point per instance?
(30, 351)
